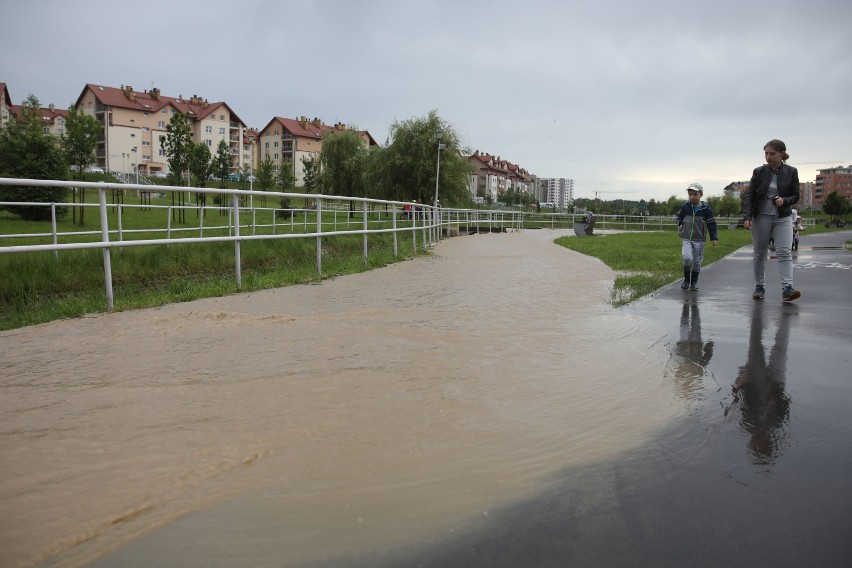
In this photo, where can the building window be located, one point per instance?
(161, 124)
(146, 143)
(266, 145)
(161, 152)
(165, 111)
(276, 157)
(133, 135)
(146, 129)
(209, 143)
(145, 114)
(208, 129)
(221, 117)
(276, 143)
(145, 158)
(221, 131)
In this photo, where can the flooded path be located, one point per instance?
(303, 424)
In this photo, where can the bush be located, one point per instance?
(285, 212)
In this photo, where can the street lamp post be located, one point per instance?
(136, 163)
(438, 170)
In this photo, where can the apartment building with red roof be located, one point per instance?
(290, 140)
(492, 176)
(135, 126)
(5, 105)
(52, 119)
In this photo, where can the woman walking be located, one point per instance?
(772, 191)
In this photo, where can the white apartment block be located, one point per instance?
(559, 191)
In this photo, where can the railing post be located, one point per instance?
(169, 223)
(120, 231)
(235, 203)
(201, 221)
(395, 245)
(105, 239)
(414, 229)
(53, 229)
(319, 237)
(366, 225)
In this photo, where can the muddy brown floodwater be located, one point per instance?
(366, 412)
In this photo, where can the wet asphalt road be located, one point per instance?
(757, 477)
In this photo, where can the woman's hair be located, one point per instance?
(778, 146)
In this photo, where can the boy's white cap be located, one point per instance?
(695, 187)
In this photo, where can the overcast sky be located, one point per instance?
(635, 99)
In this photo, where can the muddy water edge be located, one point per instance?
(313, 422)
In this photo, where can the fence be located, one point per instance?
(329, 216)
(326, 217)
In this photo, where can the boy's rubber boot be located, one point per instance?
(694, 286)
(685, 283)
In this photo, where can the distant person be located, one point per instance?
(694, 219)
(797, 226)
(772, 191)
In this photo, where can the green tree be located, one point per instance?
(311, 169)
(266, 175)
(199, 163)
(79, 144)
(836, 205)
(284, 178)
(673, 205)
(728, 205)
(221, 165)
(405, 169)
(342, 163)
(27, 151)
(178, 145)
(199, 168)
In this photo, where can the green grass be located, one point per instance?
(647, 261)
(38, 287)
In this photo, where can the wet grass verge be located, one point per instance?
(38, 287)
(647, 261)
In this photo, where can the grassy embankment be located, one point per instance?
(646, 261)
(40, 287)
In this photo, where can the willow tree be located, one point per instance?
(342, 165)
(406, 168)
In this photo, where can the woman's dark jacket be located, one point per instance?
(755, 195)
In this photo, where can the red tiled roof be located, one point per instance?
(48, 115)
(146, 101)
(6, 94)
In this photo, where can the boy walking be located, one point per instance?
(694, 219)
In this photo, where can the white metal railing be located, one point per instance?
(425, 226)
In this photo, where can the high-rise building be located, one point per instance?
(559, 191)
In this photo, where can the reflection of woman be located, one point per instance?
(760, 383)
(693, 353)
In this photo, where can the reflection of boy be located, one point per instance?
(694, 353)
(694, 219)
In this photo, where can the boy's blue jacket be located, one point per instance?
(694, 220)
